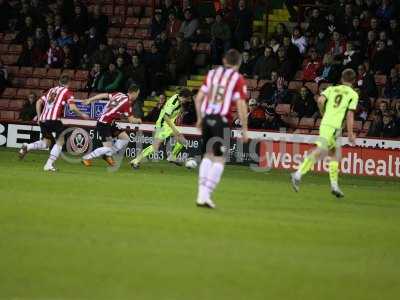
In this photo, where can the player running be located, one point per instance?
(223, 86)
(335, 103)
(50, 110)
(165, 128)
(118, 105)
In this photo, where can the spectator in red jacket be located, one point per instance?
(337, 46)
(173, 25)
(311, 66)
(55, 55)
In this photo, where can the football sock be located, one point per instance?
(334, 172)
(213, 177)
(99, 152)
(145, 153)
(205, 167)
(177, 148)
(119, 145)
(54, 154)
(39, 145)
(305, 166)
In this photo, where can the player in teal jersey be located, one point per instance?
(165, 128)
(335, 103)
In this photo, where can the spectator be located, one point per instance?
(256, 49)
(220, 39)
(389, 128)
(3, 76)
(328, 72)
(274, 92)
(352, 58)
(311, 66)
(65, 38)
(189, 25)
(156, 69)
(163, 44)
(285, 66)
(104, 55)
(317, 22)
(110, 81)
(274, 44)
(366, 83)
(173, 25)
(70, 60)
(169, 8)
(157, 25)
(321, 43)
(27, 30)
(394, 32)
(247, 66)
(58, 24)
(243, 28)
(7, 13)
(299, 40)
(188, 115)
(120, 64)
(136, 72)
(50, 33)
(31, 55)
(28, 112)
(272, 121)
(55, 55)
(92, 41)
(292, 52)
(256, 115)
(79, 22)
(152, 116)
(337, 46)
(265, 65)
(280, 32)
(303, 104)
(392, 86)
(98, 21)
(356, 33)
(40, 39)
(385, 11)
(121, 52)
(370, 45)
(383, 60)
(94, 77)
(180, 58)
(141, 52)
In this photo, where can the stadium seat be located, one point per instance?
(282, 109)
(81, 95)
(314, 132)
(23, 93)
(108, 10)
(129, 12)
(9, 93)
(255, 94)
(119, 10)
(39, 72)
(142, 34)
(8, 115)
(145, 22)
(75, 85)
(298, 75)
(148, 11)
(127, 32)
(3, 48)
(9, 37)
(301, 131)
(53, 73)
(25, 72)
(116, 21)
(312, 86)
(16, 104)
(295, 85)
(18, 82)
(32, 82)
(13, 70)
(81, 75)
(292, 122)
(317, 123)
(261, 83)
(4, 103)
(203, 48)
(69, 72)
(15, 49)
(113, 32)
(9, 59)
(131, 45)
(366, 125)
(46, 83)
(307, 123)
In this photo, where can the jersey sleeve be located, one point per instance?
(240, 90)
(353, 101)
(126, 109)
(171, 106)
(68, 98)
(326, 92)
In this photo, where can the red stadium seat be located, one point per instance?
(148, 11)
(127, 32)
(314, 131)
(81, 75)
(113, 32)
(298, 75)
(8, 115)
(108, 10)
(307, 123)
(75, 85)
(132, 22)
(23, 93)
(4, 103)
(255, 94)
(261, 83)
(119, 10)
(203, 48)
(53, 73)
(39, 72)
(131, 44)
(13, 70)
(9, 37)
(25, 72)
(295, 85)
(9, 59)
(251, 84)
(32, 82)
(16, 104)
(70, 73)
(46, 83)
(292, 122)
(3, 48)
(301, 131)
(15, 49)
(282, 109)
(145, 22)
(317, 123)
(147, 44)
(18, 82)
(117, 21)
(312, 86)
(9, 93)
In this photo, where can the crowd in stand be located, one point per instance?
(359, 34)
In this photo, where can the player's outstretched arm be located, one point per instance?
(198, 101)
(349, 123)
(102, 96)
(243, 112)
(321, 104)
(75, 109)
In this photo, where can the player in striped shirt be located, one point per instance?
(119, 105)
(50, 109)
(165, 128)
(222, 88)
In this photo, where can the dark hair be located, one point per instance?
(233, 57)
(185, 93)
(133, 87)
(349, 75)
(64, 79)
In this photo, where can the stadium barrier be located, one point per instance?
(371, 157)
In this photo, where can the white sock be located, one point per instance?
(205, 167)
(39, 145)
(213, 177)
(99, 152)
(119, 145)
(54, 154)
(297, 174)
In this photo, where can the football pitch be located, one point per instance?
(86, 233)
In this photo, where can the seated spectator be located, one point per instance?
(256, 49)
(3, 76)
(303, 104)
(94, 78)
(321, 43)
(41, 40)
(79, 22)
(98, 21)
(28, 112)
(220, 39)
(256, 115)
(141, 52)
(299, 40)
(369, 45)
(173, 25)
(352, 57)
(285, 66)
(272, 121)
(243, 24)
(394, 32)
(152, 116)
(392, 87)
(385, 11)
(292, 52)
(55, 55)
(366, 83)
(188, 115)
(31, 56)
(27, 30)
(274, 92)
(337, 46)
(311, 66)
(383, 60)
(328, 72)
(156, 69)
(189, 25)
(7, 12)
(65, 38)
(274, 44)
(180, 58)
(247, 66)
(163, 44)
(168, 7)
(317, 22)
(136, 72)
(92, 41)
(70, 60)
(280, 32)
(265, 65)
(111, 79)
(104, 55)
(157, 25)
(389, 127)
(356, 33)
(121, 52)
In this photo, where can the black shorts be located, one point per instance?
(47, 128)
(107, 131)
(216, 135)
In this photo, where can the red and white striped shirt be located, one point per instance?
(117, 106)
(222, 87)
(54, 101)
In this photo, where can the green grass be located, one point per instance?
(90, 234)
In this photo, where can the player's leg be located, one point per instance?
(159, 137)
(104, 131)
(334, 173)
(44, 143)
(58, 128)
(121, 143)
(179, 146)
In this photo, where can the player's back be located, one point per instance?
(117, 105)
(171, 109)
(339, 99)
(55, 100)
